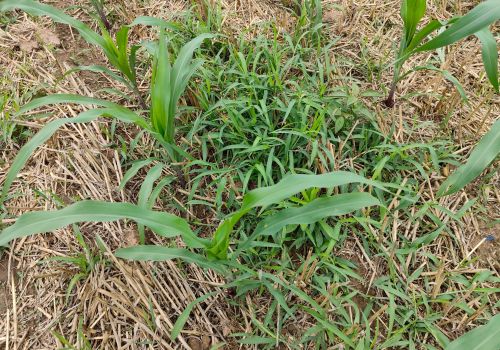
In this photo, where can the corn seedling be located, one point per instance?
(475, 22)
(117, 51)
(168, 85)
(168, 225)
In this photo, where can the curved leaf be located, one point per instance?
(477, 19)
(318, 209)
(490, 56)
(48, 130)
(159, 253)
(37, 9)
(485, 152)
(485, 337)
(262, 197)
(310, 213)
(412, 12)
(164, 224)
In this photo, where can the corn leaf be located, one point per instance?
(265, 196)
(490, 56)
(43, 135)
(477, 19)
(114, 111)
(483, 154)
(144, 193)
(164, 224)
(159, 253)
(161, 91)
(422, 34)
(317, 210)
(37, 9)
(485, 337)
(412, 12)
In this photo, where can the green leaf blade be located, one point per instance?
(318, 209)
(485, 337)
(483, 154)
(489, 52)
(164, 224)
(412, 12)
(477, 19)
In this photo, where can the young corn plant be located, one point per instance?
(168, 83)
(120, 56)
(476, 22)
(168, 225)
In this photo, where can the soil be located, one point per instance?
(4, 289)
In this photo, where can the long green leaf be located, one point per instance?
(292, 184)
(161, 91)
(182, 69)
(483, 154)
(422, 34)
(412, 12)
(477, 19)
(164, 224)
(316, 210)
(485, 337)
(263, 197)
(490, 56)
(48, 130)
(310, 213)
(159, 253)
(37, 9)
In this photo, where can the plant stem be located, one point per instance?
(142, 103)
(102, 15)
(390, 101)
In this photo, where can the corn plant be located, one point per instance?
(168, 225)
(168, 84)
(475, 22)
(119, 54)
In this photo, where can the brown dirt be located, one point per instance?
(4, 277)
